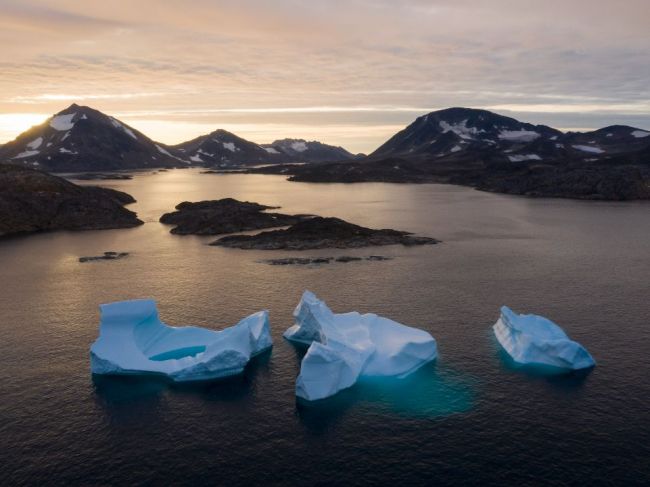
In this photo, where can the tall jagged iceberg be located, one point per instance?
(133, 340)
(343, 347)
(535, 340)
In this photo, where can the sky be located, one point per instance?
(345, 72)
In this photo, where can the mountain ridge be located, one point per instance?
(80, 139)
(491, 152)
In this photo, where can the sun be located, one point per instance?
(12, 124)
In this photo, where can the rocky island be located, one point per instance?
(226, 215)
(32, 201)
(110, 255)
(320, 233)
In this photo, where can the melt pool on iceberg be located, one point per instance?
(343, 347)
(133, 340)
(535, 340)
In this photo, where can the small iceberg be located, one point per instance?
(535, 340)
(133, 340)
(343, 347)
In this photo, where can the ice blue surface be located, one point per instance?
(537, 341)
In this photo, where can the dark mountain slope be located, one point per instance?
(80, 138)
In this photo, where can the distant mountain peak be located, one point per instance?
(301, 150)
(80, 138)
(458, 129)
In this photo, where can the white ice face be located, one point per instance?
(345, 346)
(133, 340)
(535, 340)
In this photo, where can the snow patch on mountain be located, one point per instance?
(519, 135)
(27, 153)
(461, 129)
(163, 151)
(62, 122)
(271, 150)
(524, 157)
(639, 134)
(230, 146)
(126, 130)
(456, 148)
(587, 148)
(299, 146)
(35, 144)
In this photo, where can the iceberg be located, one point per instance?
(133, 340)
(344, 347)
(535, 340)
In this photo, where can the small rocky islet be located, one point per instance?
(322, 260)
(110, 255)
(228, 215)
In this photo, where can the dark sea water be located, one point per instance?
(469, 418)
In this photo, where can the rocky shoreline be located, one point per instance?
(33, 201)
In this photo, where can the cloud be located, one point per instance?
(80, 97)
(361, 60)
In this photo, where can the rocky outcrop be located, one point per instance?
(224, 216)
(32, 201)
(319, 233)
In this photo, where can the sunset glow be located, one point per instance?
(346, 76)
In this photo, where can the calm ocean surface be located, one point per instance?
(470, 418)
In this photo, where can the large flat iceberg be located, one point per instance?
(343, 347)
(535, 340)
(133, 340)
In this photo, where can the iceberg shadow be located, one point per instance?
(555, 376)
(115, 393)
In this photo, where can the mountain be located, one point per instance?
(32, 201)
(80, 138)
(464, 132)
(456, 130)
(300, 150)
(222, 149)
(492, 152)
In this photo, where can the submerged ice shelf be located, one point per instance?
(535, 340)
(343, 347)
(133, 340)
